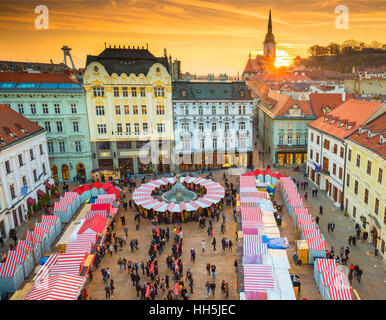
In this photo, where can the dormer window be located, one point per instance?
(183, 93)
(242, 93)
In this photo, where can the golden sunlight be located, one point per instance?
(283, 59)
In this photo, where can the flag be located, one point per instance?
(317, 169)
(24, 190)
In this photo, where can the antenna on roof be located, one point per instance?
(105, 45)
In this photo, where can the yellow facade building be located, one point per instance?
(365, 187)
(129, 103)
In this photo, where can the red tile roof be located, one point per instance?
(353, 111)
(26, 77)
(13, 123)
(282, 103)
(255, 65)
(319, 101)
(280, 77)
(377, 127)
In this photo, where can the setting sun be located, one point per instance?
(283, 59)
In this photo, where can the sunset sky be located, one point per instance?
(208, 36)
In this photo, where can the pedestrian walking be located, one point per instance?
(354, 241)
(207, 286)
(317, 220)
(126, 230)
(305, 196)
(332, 226)
(329, 226)
(350, 276)
(321, 210)
(349, 240)
(230, 245)
(123, 221)
(214, 243)
(208, 268)
(359, 274)
(203, 245)
(213, 269)
(213, 288)
(108, 291)
(347, 252)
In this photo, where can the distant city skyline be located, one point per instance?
(207, 36)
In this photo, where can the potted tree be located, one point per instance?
(35, 208)
(30, 213)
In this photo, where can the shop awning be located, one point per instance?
(48, 186)
(40, 193)
(30, 201)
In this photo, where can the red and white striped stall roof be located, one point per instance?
(258, 277)
(50, 219)
(249, 204)
(91, 213)
(45, 270)
(38, 233)
(326, 265)
(251, 238)
(251, 214)
(105, 200)
(254, 194)
(340, 293)
(197, 180)
(315, 241)
(333, 278)
(7, 269)
(58, 287)
(247, 182)
(83, 243)
(254, 248)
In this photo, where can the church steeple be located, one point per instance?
(270, 23)
(269, 43)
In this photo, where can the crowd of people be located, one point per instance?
(145, 277)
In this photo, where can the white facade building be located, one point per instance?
(24, 167)
(212, 123)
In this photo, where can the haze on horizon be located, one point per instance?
(208, 36)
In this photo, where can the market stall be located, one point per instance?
(12, 272)
(323, 265)
(58, 287)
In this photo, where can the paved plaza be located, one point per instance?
(371, 287)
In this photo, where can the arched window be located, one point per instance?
(200, 110)
(213, 110)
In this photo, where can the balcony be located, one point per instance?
(242, 132)
(186, 134)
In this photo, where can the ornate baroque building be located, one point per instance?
(129, 103)
(213, 123)
(55, 101)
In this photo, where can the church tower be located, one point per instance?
(269, 43)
